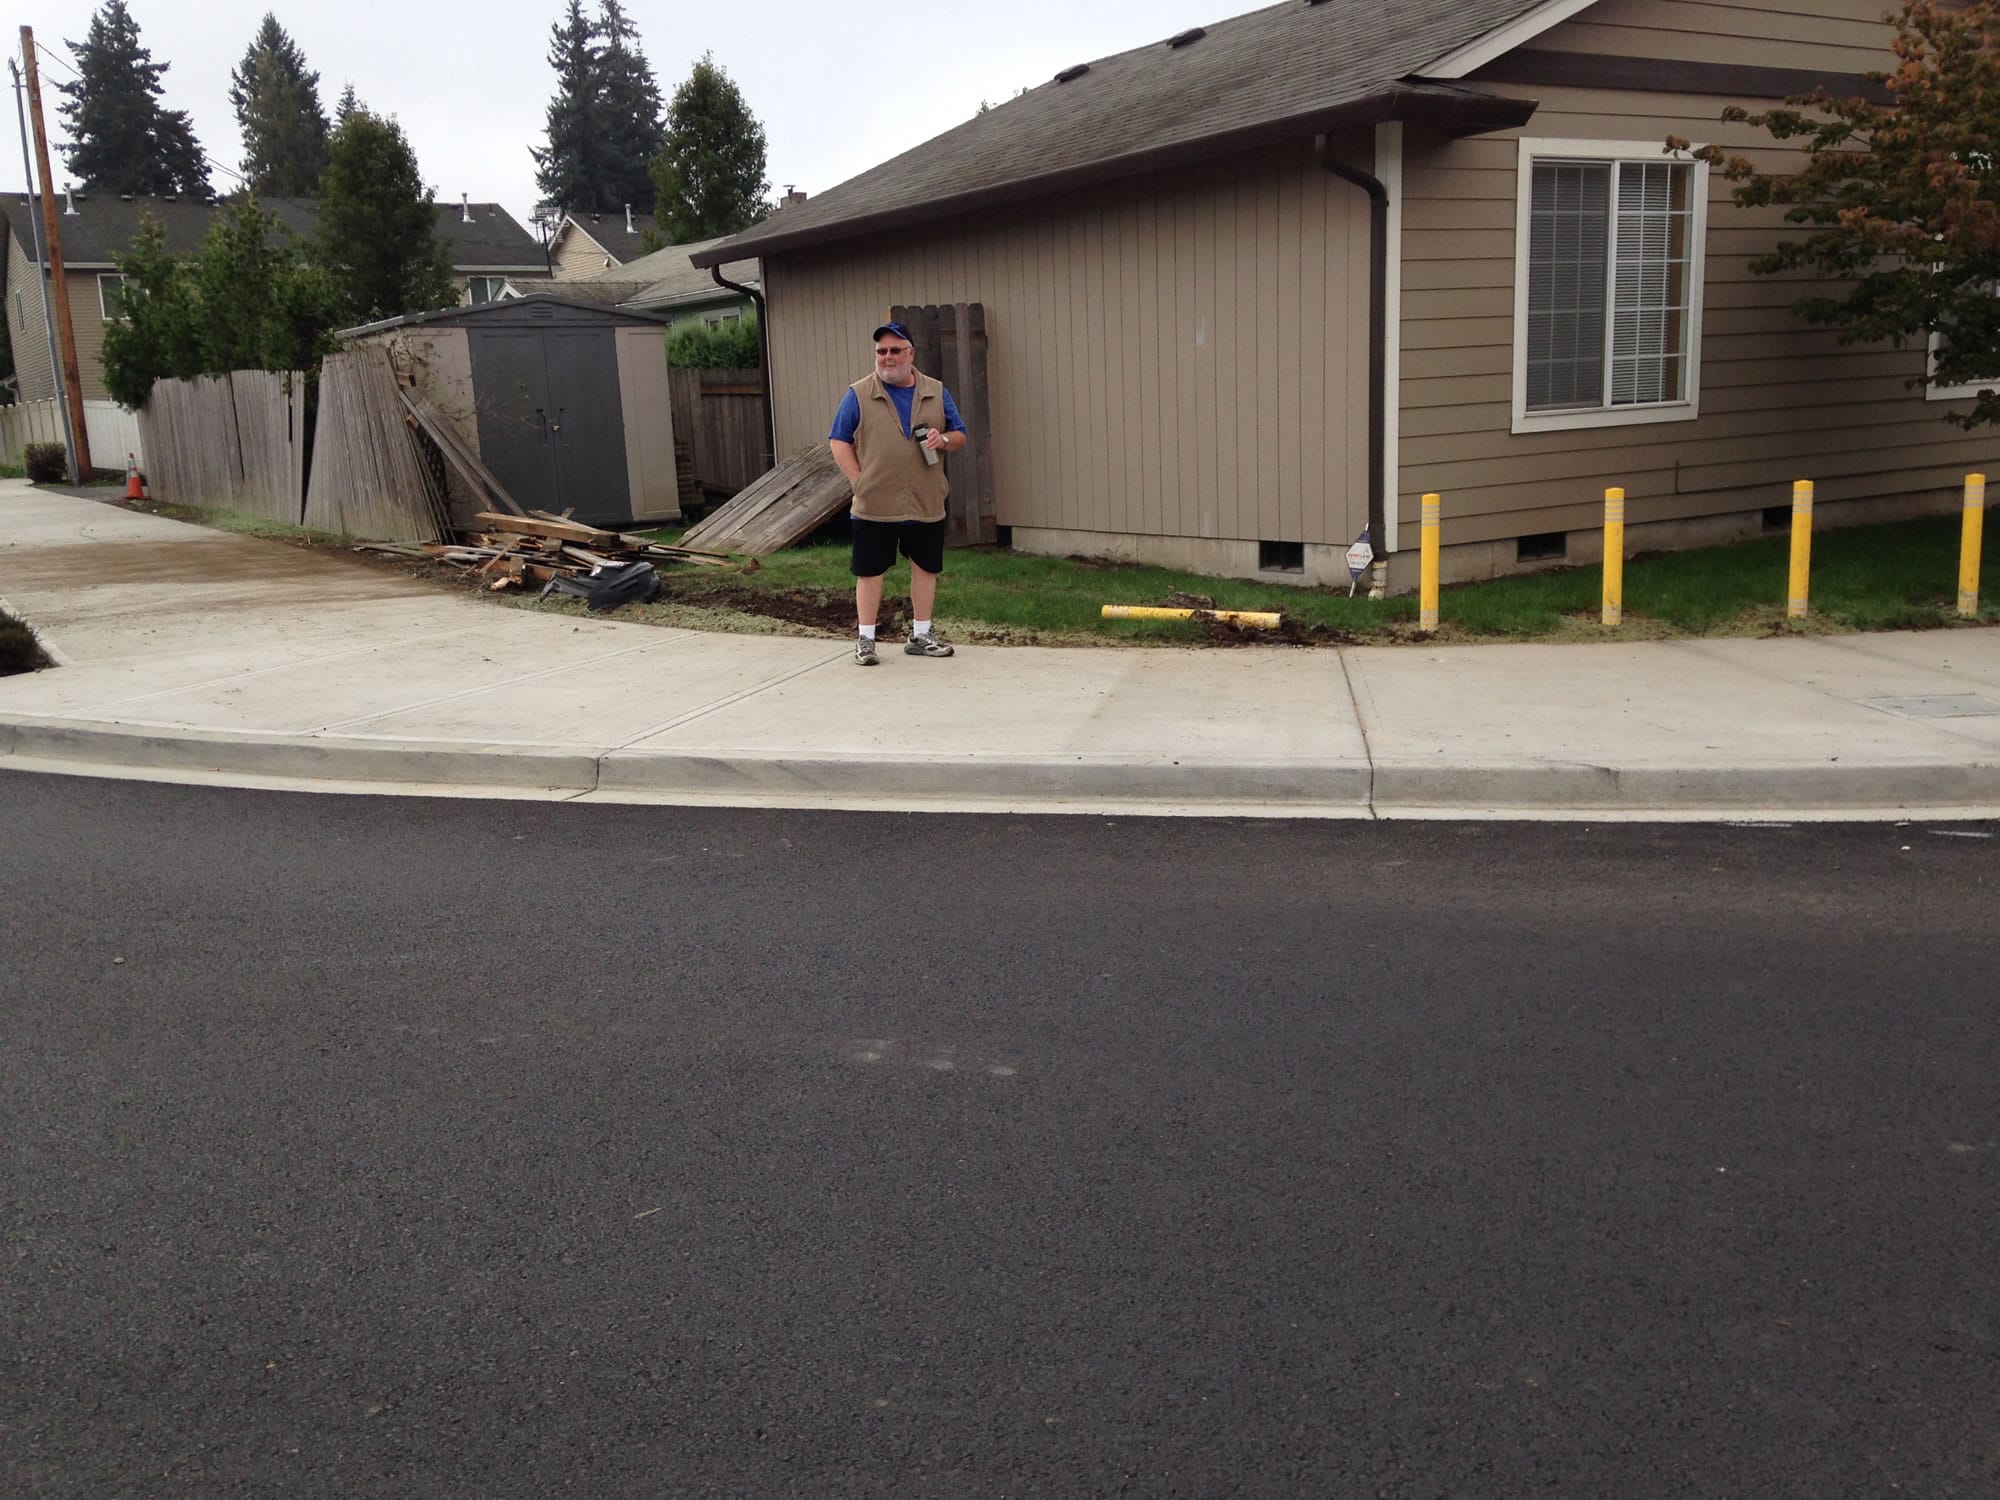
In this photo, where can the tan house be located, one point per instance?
(492, 257)
(1261, 284)
(587, 245)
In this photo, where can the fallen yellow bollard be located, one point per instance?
(1266, 620)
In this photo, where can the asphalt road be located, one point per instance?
(361, 1147)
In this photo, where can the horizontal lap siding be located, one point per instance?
(1843, 36)
(1779, 399)
(27, 324)
(1181, 354)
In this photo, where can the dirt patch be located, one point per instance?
(827, 610)
(1288, 632)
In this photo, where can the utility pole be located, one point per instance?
(35, 233)
(79, 448)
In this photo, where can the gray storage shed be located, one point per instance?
(567, 403)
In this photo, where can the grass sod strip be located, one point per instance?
(1895, 576)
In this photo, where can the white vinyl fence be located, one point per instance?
(112, 430)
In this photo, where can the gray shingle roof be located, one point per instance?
(104, 226)
(610, 232)
(1276, 73)
(668, 276)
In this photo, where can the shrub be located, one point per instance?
(728, 346)
(47, 463)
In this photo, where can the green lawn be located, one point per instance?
(1897, 576)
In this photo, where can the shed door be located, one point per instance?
(510, 383)
(592, 474)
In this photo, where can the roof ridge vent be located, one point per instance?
(1076, 72)
(1192, 34)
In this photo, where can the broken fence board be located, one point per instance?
(784, 505)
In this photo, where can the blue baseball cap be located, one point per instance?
(896, 328)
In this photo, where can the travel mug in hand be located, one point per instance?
(930, 454)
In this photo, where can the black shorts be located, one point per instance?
(875, 544)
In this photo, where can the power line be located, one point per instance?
(51, 57)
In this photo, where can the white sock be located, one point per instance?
(867, 632)
(920, 627)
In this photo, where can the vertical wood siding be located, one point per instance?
(1779, 399)
(1180, 354)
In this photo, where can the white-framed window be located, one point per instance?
(1607, 284)
(717, 319)
(482, 289)
(1964, 392)
(111, 296)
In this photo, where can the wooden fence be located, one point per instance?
(722, 438)
(372, 473)
(113, 431)
(235, 442)
(951, 344)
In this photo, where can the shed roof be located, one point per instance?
(536, 307)
(1274, 74)
(479, 236)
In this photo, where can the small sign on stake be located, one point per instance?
(1359, 556)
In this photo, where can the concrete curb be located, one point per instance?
(289, 757)
(1302, 788)
(1801, 786)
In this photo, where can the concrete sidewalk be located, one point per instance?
(193, 654)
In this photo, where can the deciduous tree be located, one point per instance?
(1901, 197)
(378, 223)
(122, 139)
(710, 175)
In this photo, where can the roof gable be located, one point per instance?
(1280, 72)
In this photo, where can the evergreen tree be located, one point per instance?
(125, 140)
(710, 175)
(263, 305)
(158, 335)
(378, 223)
(348, 105)
(574, 170)
(276, 99)
(630, 96)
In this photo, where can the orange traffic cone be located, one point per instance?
(135, 482)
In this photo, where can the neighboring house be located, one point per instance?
(587, 245)
(492, 257)
(667, 282)
(1192, 361)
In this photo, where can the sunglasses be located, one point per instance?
(906, 349)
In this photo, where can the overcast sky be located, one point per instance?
(838, 88)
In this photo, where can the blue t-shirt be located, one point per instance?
(904, 396)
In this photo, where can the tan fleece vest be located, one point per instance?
(896, 484)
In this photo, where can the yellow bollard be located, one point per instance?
(1968, 546)
(1801, 586)
(1263, 619)
(1427, 577)
(1614, 556)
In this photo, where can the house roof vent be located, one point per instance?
(1192, 34)
(1076, 72)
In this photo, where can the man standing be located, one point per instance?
(888, 438)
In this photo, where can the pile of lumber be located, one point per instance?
(513, 551)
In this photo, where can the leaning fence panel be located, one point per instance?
(370, 476)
